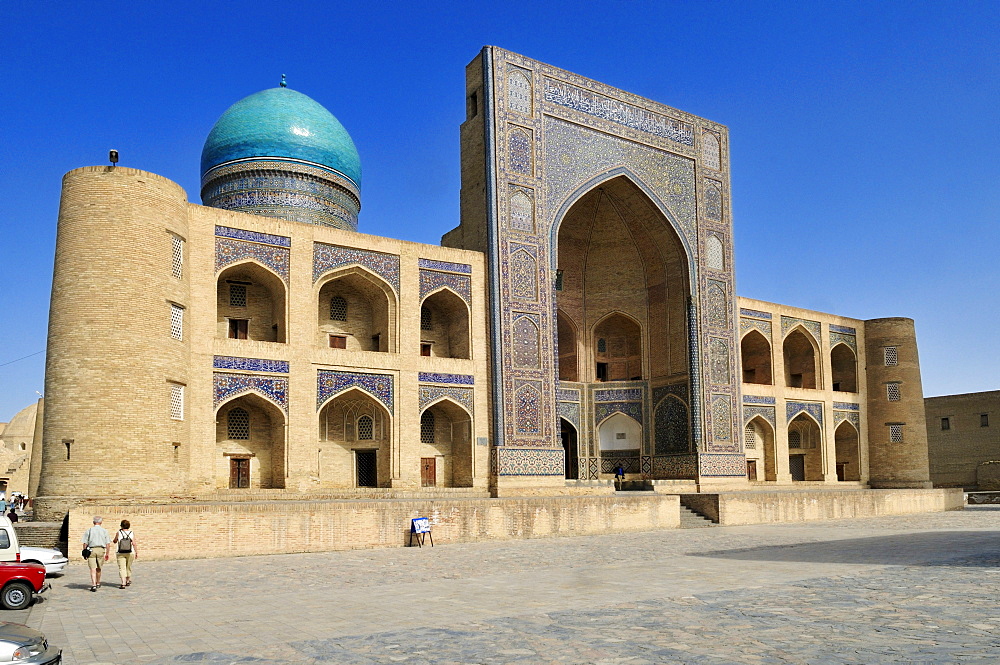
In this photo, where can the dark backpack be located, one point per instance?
(124, 543)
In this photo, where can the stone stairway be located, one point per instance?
(692, 520)
(40, 534)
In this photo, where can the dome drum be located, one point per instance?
(283, 189)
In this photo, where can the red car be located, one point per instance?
(19, 582)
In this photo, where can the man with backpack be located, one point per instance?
(127, 552)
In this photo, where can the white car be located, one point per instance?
(53, 560)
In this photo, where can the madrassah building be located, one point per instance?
(582, 316)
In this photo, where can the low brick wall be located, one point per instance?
(203, 530)
(800, 506)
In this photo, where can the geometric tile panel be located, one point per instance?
(229, 251)
(846, 406)
(847, 330)
(610, 459)
(814, 409)
(444, 265)
(789, 322)
(755, 313)
(250, 364)
(766, 412)
(328, 257)
(721, 417)
(332, 382)
(605, 409)
(852, 417)
(675, 466)
(718, 305)
(252, 236)
(527, 400)
(678, 389)
(528, 461)
(671, 426)
(523, 276)
(570, 411)
(850, 340)
(525, 341)
(460, 284)
(271, 387)
(747, 324)
(618, 395)
(719, 360)
(429, 394)
(435, 377)
(729, 466)
(757, 399)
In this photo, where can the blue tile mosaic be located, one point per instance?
(618, 395)
(718, 305)
(570, 411)
(252, 236)
(852, 417)
(566, 395)
(603, 410)
(330, 257)
(509, 461)
(444, 265)
(463, 396)
(229, 252)
(718, 358)
(329, 383)
(528, 407)
(846, 406)
(671, 427)
(227, 386)
(675, 466)
(250, 364)
(814, 409)
(525, 352)
(523, 276)
(722, 466)
(847, 330)
(755, 313)
(766, 412)
(678, 389)
(850, 340)
(435, 377)
(764, 327)
(599, 106)
(519, 151)
(722, 431)
(789, 322)
(757, 399)
(431, 280)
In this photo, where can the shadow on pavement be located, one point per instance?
(979, 549)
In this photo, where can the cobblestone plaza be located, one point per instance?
(905, 589)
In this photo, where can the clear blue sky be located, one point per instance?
(864, 136)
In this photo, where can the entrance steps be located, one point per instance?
(692, 520)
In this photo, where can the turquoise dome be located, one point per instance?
(280, 123)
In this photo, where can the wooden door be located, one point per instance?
(428, 472)
(239, 473)
(797, 466)
(751, 470)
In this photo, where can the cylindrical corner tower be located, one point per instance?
(897, 428)
(278, 153)
(116, 370)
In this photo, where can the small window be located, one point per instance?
(896, 433)
(238, 328)
(559, 280)
(338, 309)
(237, 295)
(176, 321)
(4, 540)
(794, 439)
(426, 321)
(945, 424)
(984, 420)
(366, 428)
(892, 391)
(473, 105)
(602, 345)
(176, 257)
(889, 355)
(751, 437)
(427, 427)
(177, 402)
(338, 342)
(621, 435)
(238, 424)
(425, 348)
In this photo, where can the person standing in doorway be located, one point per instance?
(127, 552)
(96, 539)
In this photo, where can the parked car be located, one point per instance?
(26, 646)
(19, 582)
(53, 560)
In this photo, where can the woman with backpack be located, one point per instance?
(127, 552)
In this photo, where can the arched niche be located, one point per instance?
(356, 310)
(446, 436)
(617, 349)
(759, 446)
(250, 303)
(568, 340)
(570, 443)
(618, 252)
(844, 368)
(848, 452)
(444, 325)
(755, 356)
(800, 354)
(805, 448)
(355, 441)
(250, 444)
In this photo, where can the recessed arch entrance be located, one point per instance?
(844, 368)
(570, 442)
(755, 356)
(805, 448)
(446, 438)
(250, 443)
(759, 440)
(356, 311)
(801, 354)
(620, 440)
(355, 441)
(444, 325)
(250, 303)
(845, 439)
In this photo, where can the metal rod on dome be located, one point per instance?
(283, 83)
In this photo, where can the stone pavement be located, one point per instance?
(908, 589)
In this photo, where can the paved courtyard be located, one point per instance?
(911, 589)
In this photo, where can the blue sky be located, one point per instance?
(864, 136)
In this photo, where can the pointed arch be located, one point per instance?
(755, 358)
(371, 306)
(570, 438)
(672, 426)
(444, 324)
(568, 339)
(801, 354)
(451, 402)
(805, 447)
(844, 368)
(446, 434)
(525, 342)
(622, 357)
(847, 450)
(260, 312)
(762, 447)
(252, 455)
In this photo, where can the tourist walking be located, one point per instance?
(96, 540)
(127, 552)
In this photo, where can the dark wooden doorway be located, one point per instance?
(569, 442)
(751, 470)
(239, 472)
(367, 468)
(797, 466)
(428, 472)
